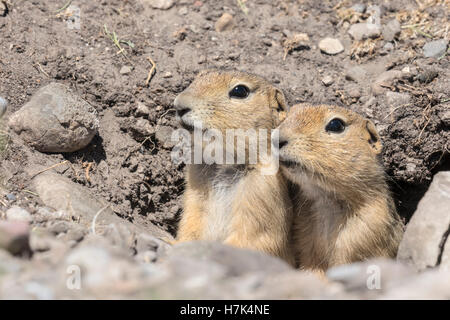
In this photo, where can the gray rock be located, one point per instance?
(361, 31)
(435, 49)
(391, 30)
(3, 106)
(235, 261)
(164, 135)
(14, 237)
(55, 120)
(160, 4)
(62, 194)
(423, 242)
(331, 46)
(18, 214)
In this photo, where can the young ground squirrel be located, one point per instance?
(234, 203)
(343, 211)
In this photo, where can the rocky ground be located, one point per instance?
(88, 190)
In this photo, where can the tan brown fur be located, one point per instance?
(343, 211)
(235, 204)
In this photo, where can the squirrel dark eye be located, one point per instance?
(240, 91)
(336, 125)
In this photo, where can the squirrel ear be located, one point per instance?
(278, 103)
(373, 137)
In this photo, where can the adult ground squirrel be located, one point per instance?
(234, 203)
(343, 211)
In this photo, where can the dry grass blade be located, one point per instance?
(64, 7)
(242, 6)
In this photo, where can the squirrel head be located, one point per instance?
(230, 100)
(331, 147)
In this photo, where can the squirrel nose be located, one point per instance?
(280, 143)
(182, 111)
(181, 107)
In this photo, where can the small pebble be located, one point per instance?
(11, 197)
(224, 23)
(331, 46)
(327, 80)
(361, 31)
(161, 4)
(427, 76)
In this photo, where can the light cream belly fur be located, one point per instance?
(219, 216)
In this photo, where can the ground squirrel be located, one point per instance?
(234, 203)
(343, 211)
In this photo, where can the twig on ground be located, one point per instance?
(30, 192)
(150, 73)
(42, 70)
(87, 166)
(49, 168)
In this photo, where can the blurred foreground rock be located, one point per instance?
(426, 240)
